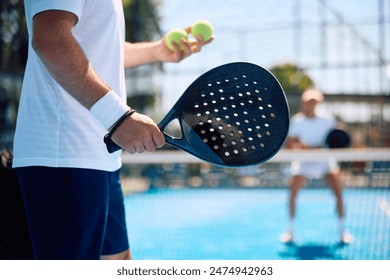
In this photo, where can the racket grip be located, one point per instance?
(110, 145)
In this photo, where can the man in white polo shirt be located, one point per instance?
(309, 130)
(73, 94)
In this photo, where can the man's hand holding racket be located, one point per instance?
(138, 133)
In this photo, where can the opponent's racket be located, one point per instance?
(338, 138)
(233, 115)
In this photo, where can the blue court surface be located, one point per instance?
(245, 224)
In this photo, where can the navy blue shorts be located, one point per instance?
(73, 213)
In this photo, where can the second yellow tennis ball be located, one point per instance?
(174, 36)
(202, 28)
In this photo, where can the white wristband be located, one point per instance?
(109, 109)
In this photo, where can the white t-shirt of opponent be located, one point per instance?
(53, 129)
(312, 132)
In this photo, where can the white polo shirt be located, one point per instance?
(312, 132)
(53, 129)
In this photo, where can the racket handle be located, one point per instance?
(110, 145)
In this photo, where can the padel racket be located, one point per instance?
(338, 138)
(233, 115)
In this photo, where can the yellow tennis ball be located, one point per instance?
(202, 28)
(175, 35)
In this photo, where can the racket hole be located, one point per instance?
(211, 129)
(257, 127)
(244, 76)
(200, 123)
(227, 116)
(265, 88)
(238, 123)
(259, 135)
(224, 108)
(213, 101)
(245, 113)
(247, 85)
(268, 133)
(224, 145)
(220, 127)
(266, 125)
(216, 110)
(248, 93)
(202, 131)
(262, 145)
(220, 90)
(250, 138)
(231, 133)
(223, 136)
(213, 138)
(218, 83)
(260, 99)
(235, 114)
(196, 106)
(269, 106)
(246, 121)
(272, 115)
(235, 152)
(205, 104)
(212, 93)
(233, 106)
(207, 112)
(209, 120)
(242, 103)
(222, 98)
(237, 86)
(254, 82)
(209, 84)
(239, 132)
(234, 143)
(253, 147)
(257, 91)
(227, 80)
(218, 118)
(250, 102)
(205, 140)
(229, 125)
(227, 154)
(261, 107)
(240, 94)
(216, 147)
(242, 140)
(198, 114)
(244, 150)
(249, 129)
(263, 116)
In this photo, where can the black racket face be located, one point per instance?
(234, 115)
(338, 138)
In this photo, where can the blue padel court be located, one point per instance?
(245, 224)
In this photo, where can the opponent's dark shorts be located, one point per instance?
(73, 213)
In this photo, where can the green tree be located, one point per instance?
(294, 81)
(13, 37)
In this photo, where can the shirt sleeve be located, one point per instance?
(75, 6)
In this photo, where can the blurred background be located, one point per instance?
(341, 47)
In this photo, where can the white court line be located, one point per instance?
(384, 206)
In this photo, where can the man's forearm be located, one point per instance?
(64, 57)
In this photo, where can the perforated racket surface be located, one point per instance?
(233, 115)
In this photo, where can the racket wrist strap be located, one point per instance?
(109, 109)
(111, 145)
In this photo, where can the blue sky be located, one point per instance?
(262, 32)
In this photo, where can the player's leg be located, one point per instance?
(334, 181)
(116, 244)
(297, 182)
